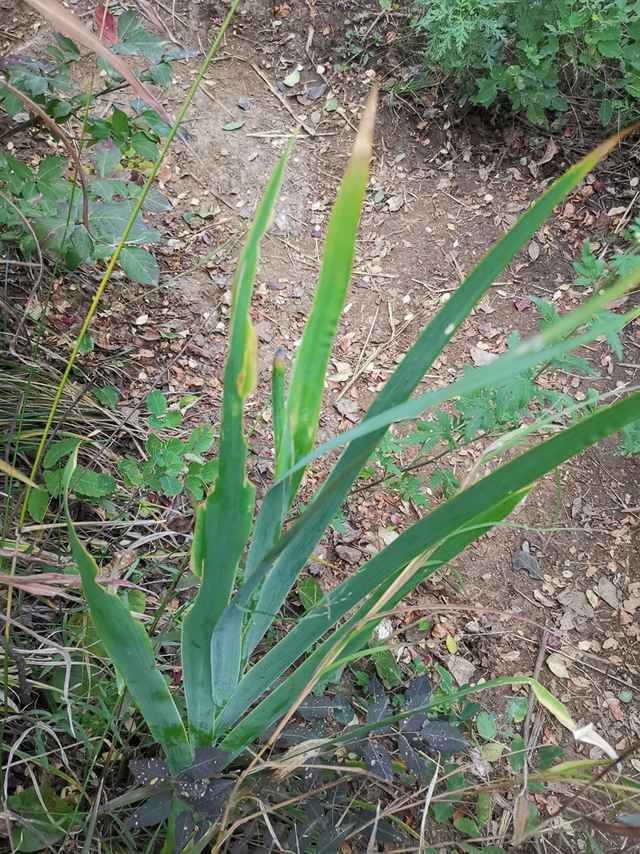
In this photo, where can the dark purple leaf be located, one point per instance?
(375, 688)
(315, 92)
(311, 774)
(149, 772)
(413, 723)
(300, 837)
(378, 711)
(317, 707)
(413, 739)
(190, 790)
(183, 830)
(206, 761)
(331, 840)
(415, 764)
(156, 809)
(384, 829)
(240, 845)
(202, 828)
(34, 65)
(212, 803)
(342, 710)
(314, 808)
(378, 761)
(418, 693)
(337, 795)
(291, 736)
(443, 737)
(267, 790)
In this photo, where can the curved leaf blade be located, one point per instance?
(495, 494)
(398, 389)
(219, 544)
(128, 646)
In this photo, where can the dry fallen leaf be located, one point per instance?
(558, 665)
(549, 153)
(539, 595)
(608, 593)
(481, 357)
(615, 709)
(534, 251)
(526, 561)
(395, 203)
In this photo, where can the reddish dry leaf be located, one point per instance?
(106, 23)
(553, 805)
(522, 303)
(616, 710)
(439, 631)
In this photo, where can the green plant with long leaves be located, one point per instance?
(247, 564)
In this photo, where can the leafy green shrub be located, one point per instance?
(121, 149)
(532, 54)
(172, 464)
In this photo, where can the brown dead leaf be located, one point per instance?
(608, 593)
(534, 250)
(542, 599)
(549, 153)
(520, 818)
(616, 709)
(553, 805)
(281, 11)
(120, 561)
(395, 203)
(558, 665)
(482, 357)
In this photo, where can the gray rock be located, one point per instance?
(351, 555)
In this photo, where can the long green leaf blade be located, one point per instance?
(488, 495)
(399, 388)
(301, 541)
(302, 409)
(128, 646)
(224, 523)
(308, 379)
(277, 399)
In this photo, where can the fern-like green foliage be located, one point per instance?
(463, 33)
(529, 53)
